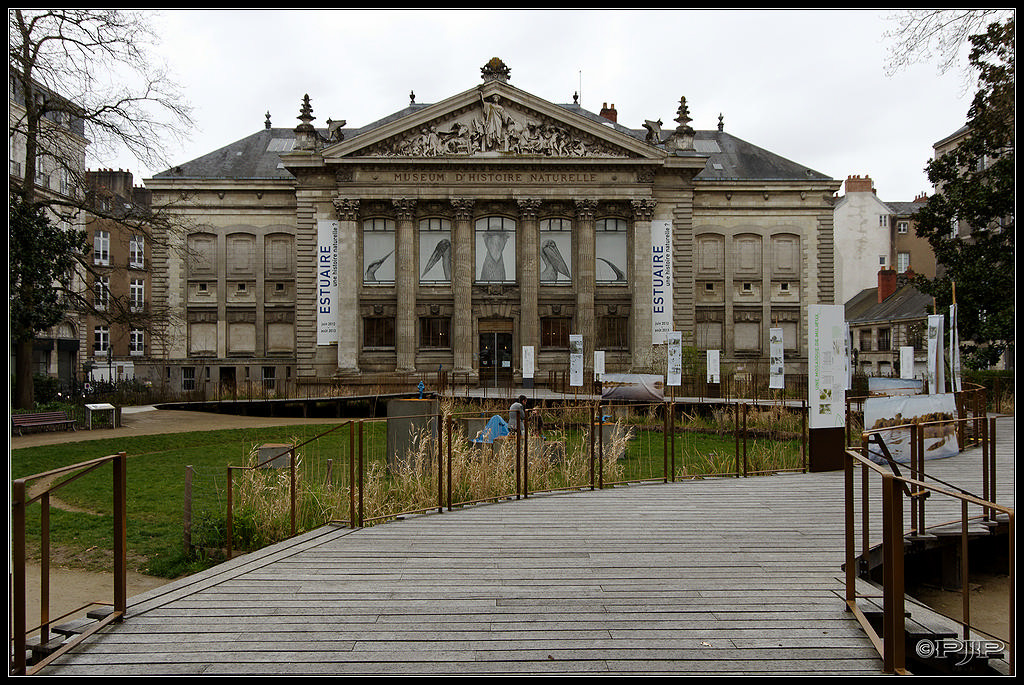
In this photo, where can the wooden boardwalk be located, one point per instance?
(715, 577)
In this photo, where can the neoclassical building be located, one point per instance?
(462, 234)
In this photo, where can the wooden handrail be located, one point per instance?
(21, 498)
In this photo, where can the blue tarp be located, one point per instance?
(495, 428)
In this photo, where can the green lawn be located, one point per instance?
(81, 518)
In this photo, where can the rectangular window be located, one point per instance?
(188, 378)
(902, 262)
(101, 292)
(100, 339)
(269, 377)
(137, 292)
(101, 248)
(137, 342)
(884, 338)
(435, 332)
(378, 331)
(554, 332)
(136, 252)
(613, 332)
(903, 227)
(865, 340)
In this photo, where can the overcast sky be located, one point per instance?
(811, 86)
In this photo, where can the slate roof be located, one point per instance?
(907, 303)
(257, 157)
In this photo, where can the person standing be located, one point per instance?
(517, 414)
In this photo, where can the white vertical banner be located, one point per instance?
(661, 281)
(714, 370)
(826, 366)
(936, 373)
(527, 361)
(675, 358)
(576, 360)
(954, 350)
(327, 283)
(907, 362)
(598, 364)
(847, 356)
(776, 361)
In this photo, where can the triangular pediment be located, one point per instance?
(493, 120)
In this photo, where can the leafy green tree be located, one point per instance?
(975, 190)
(42, 263)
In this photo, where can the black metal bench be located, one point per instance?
(46, 419)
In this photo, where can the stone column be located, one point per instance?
(348, 284)
(642, 329)
(585, 280)
(405, 285)
(529, 276)
(462, 285)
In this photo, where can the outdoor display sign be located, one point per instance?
(776, 365)
(675, 358)
(826, 366)
(576, 360)
(714, 373)
(954, 350)
(633, 386)
(327, 283)
(936, 374)
(661, 281)
(893, 386)
(907, 362)
(598, 364)
(898, 412)
(527, 361)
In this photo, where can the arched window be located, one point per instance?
(495, 250)
(379, 251)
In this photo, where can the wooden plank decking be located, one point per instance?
(724, 576)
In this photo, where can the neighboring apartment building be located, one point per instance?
(60, 162)
(119, 279)
(454, 235)
(874, 236)
(882, 320)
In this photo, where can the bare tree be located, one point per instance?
(84, 78)
(939, 35)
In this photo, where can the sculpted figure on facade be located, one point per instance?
(494, 128)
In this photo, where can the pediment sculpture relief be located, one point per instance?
(495, 129)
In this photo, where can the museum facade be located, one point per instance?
(477, 236)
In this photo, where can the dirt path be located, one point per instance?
(73, 588)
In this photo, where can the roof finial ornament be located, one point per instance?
(412, 98)
(267, 122)
(495, 70)
(682, 138)
(721, 125)
(305, 134)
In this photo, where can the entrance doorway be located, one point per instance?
(496, 368)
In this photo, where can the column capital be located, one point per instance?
(405, 206)
(528, 207)
(347, 208)
(463, 207)
(586, 208)
(643, 208)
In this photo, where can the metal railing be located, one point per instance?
(895, 491)
(436, 463)
(22, 497)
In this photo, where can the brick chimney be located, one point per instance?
(610, 113)
(923, 197)
(888, 282)
(859, 184)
